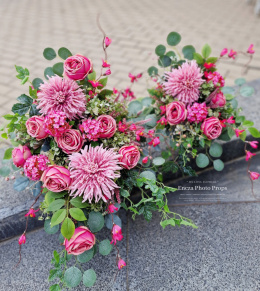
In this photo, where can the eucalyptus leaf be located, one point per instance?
(49, 53)
(21, 183)
(89, 278)
(64, 53)
(72, 277)
(202, 161)
(173, 38)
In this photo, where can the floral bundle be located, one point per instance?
(74, 145)
(191, 108)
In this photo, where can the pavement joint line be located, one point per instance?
(215, 203)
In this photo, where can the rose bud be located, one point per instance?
(20, 155)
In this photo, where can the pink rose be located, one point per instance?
(56, 178)
(82, 240)
(20, 155)
(108, 126)
(130, 156)
(35, 128)
(218, 100)
(77, 67)
(176, 112)
(70, 142)
(211, 127)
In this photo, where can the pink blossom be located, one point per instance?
(151, 133)
(254, 144)
(91, 129)
(116, 234)
(224, 52)
(249, 155)
(108, 72)
(231, 120)
(108, 126)
(122, 127)
(121, 264)
(232, 54)
(62, 95)
(70, 142)
(31, 212)
(209, 65)
(20, 155)
(105, 64)
(34, 126)
(216, 78)
(176, 112)
(129, 156)
(22, 239)
(93, 172)
(134, 78)
(197, 112)
(132, 127)
(218, 100)
(154, 142)
(77, 67)
(254, 175)
(239, 132)
(95, 83)
(163, 109)
(162, 121)
(251, 50)
(184, 82)
(55, 123)
(112, 208)
(35, 166)
(145, 160)
(107, 41)
(211, 127)
(138, 134)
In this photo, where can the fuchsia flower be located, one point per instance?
(138, 134)
(211, 127)
(122, 127)
(209, 65)
(35, 166)
(108, 72)
(108, 126)
(31, 212)
(155, 142)
(239, 132)
(251, 50)
(162, 121)
(121, 264)
(132, 127)
(218, 100)
(163, 109)
(215, 77)
(34, 126)
(116, 234)
(22, 239)
(145, 160)
(176, 112)
(231, 120)
(197, 112)
(91, 129)
(105, 64)
(64, 95)
(129, 156)
(134, 78)
(20, 155)
(232, 54)
(107, 41)
(55, 123)
(93, 171)
(128, 93)
(254, 144)
(184, 82)
(95, 83)
(112, 208)
(249, 155)
(224, 52)
(254, 175)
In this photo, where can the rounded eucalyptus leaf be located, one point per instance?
(218, 165)
(86, 256)
(202, 161)
(72, 276)
(96, 221)
(49, 53)
(89, 278)
(158, 161)
(105, 247)
(188, 52)
(173, 38)
(247, 91)
(148, 175)
(160, 50)
(48, 228)
(216, 150)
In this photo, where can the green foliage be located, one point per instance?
(86, 256)
(124, 193)
(216, 150)
(248, 123)
(23, 74)
(77, 214)
(206, 51)
(134, 107)
(55, 287)
(202, 161)
(188, 52)
(153, 120)
(89, 278)
(95, 221)
(48, 72)
(170, 166)
(24, 105)
(158, 161)
(148, 175)
(160, 50)
(48, 228)
(152, 71)
(77, 202)
(240, 81)
(164, 61)
(58, 217)
(67, 228)
(5, 171)
(255, 132)
(21, 183)
(58, 69)
(55, 205)
(228, 90)
(49, 53)
(198, 58)
(247, 91)
(72, 277)
(105, 247)
(64, 53)
(173, 38)
(37, 83)
(8, 154)
(171, 54)
(218, 165)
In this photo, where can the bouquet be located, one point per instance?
(74, 146)
(191, 108)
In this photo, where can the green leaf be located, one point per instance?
(187, 223)
(160, 50)
(148, 175)
(134, 107)
(48, 228)
(58, 69)
(102, 81)
(229, 97)
(170, 166)
(5, 171)
(173, 38)
(89, 278)
(105, 247)
(234, 103)
(254, 132)
(92, 76)
(248, 123)
(56, 256)
(212, 60)
(77, 214)
(4, 135)
(158, 161)
(37, 83)
(147, 101)
(77, 202)
(33, 92)
(247, 91)
(61, 238)
(55, 287)
(202, 161)
(124, 193)
(72, 277)
(54, 273)
(58, 217)
(188, 52)
(96, 221)
(240, 81)
(198, 58)
(166, 222)
(49, 53)
(67, 228)
(25, 100)
(152, 71)
(216, 150)
(164, 61)
(171, 54)
(55, 205)
(218, 165)
(206, 51)
(48, 72)
(86, 256)
(8, 154)
(19, 108)
(55, 195)
(64, 53)
(21, 183)
(240, 119)
(153, 120)
(228, 90)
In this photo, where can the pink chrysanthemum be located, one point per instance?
(91, 129)
(35, 166)
(216, 78)
(93, 172)
(62, 95)
(184, 82)
(55, 123)
(197, 112)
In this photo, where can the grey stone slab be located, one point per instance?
(222, 254)
(33, 271)
(232, 184)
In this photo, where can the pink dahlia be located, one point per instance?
(93, 171)
(184, 82)
(197, 112)
(35, 166)
(62, 95)
(55, 123)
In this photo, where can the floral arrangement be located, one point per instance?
(74, 146)
(190, 108)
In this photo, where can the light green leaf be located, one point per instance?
(67, 228)
(202, 161)
(148, 175)
(77, 202)
(255, 132)
(124, 193)
(206, 51)
(8, 154)
(105, 247)
(218, 165)
(55, 205)
(198, 58)
(58, 217)
(77, 214)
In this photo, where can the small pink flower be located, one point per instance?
(121, 264)
(151, 133)
(154, 142)
(22, 239)
(132, 127)
(116, 234)
(130, 156)
(176, 112)
(35, 166)
(91, 129)
(251, 50)
(134, 78)
(31, 212)
(162, 121)
(108, 72)
(163, 109)
(145, 160)
(209, 65)
(108, 126)
(95, 83)
(107, 41)
(224, 52)
(55, 123)
(254, 144)
(232, 54)
(20, 155)
(105, 64)
(215, 77)
(197, 112)
(122, 127)
(230, 120)
(254, 175)
(249, 155)
(112, 208)
(239, 132)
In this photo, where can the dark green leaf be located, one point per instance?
(188, 52)
(33, 110)
(48, 72)
(49, 53)
(21, 183)
(105, 247)
(37, 83)
(109, 221)
(164, 61)
(160, 50)
(86, 256)
(19, 108)
(64, 53)
(48, 228)
(152, 71)
(173, 38)
(95, 221)
(171, 54)
(58, 69)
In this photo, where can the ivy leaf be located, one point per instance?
(166, 222)
(55, 287)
